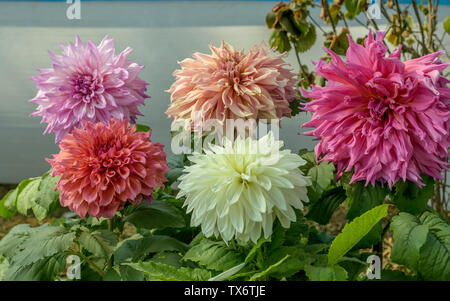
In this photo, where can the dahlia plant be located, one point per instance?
(116, 207)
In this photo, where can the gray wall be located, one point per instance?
(161, 33)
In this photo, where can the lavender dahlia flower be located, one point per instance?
(380, 117)
(88, 83)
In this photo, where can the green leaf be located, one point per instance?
(4, 265)
(361, 199)
(10, 244)
(112, 275)
(159, 271)
(434, 261)
(173, 174)
(8, 199)
(176, 165)
(47, 199)
(26, 193)
(298, 256)
(280, 41)
(287, 24)
(125, 249)
(411, 198)
(137, 247)
(128, 273)
(142, 128)
(44, 241)
(322, 174)
(214, 255)
(354, 232)
(45, 269)
(446, 24)
(123, 273)
(409, 237)
(158, 214)
(158, 243)
(228, 273)
(306, 41)
(295, 106)
(322, 210)
(176, 161)
(298, 230)
(37, 194)
(353, 8)
(422, 245)
(170, 258)
(330, 273)
(271, 18)
(100, 243)
(354, 266)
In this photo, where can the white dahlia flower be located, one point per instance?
(238, 189)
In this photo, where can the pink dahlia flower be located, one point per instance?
(102, 166)
(380, 117)
(231, 84)
(88, 82)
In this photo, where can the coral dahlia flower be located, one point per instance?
(231, 84)
(239, 189)
(104, 166)
(88, 82)
(379, 117)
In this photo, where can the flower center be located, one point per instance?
(245, 178)
(112, 155)
(230, 70)
(378, 109)
(86, 87)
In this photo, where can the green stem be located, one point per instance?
(422, 33)
(317, 24)
(305, 75)
(345, 22)
(384, 11)
(259, 259)
(399, 13)
(361, 23)
(327, 11)
(111, 228)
